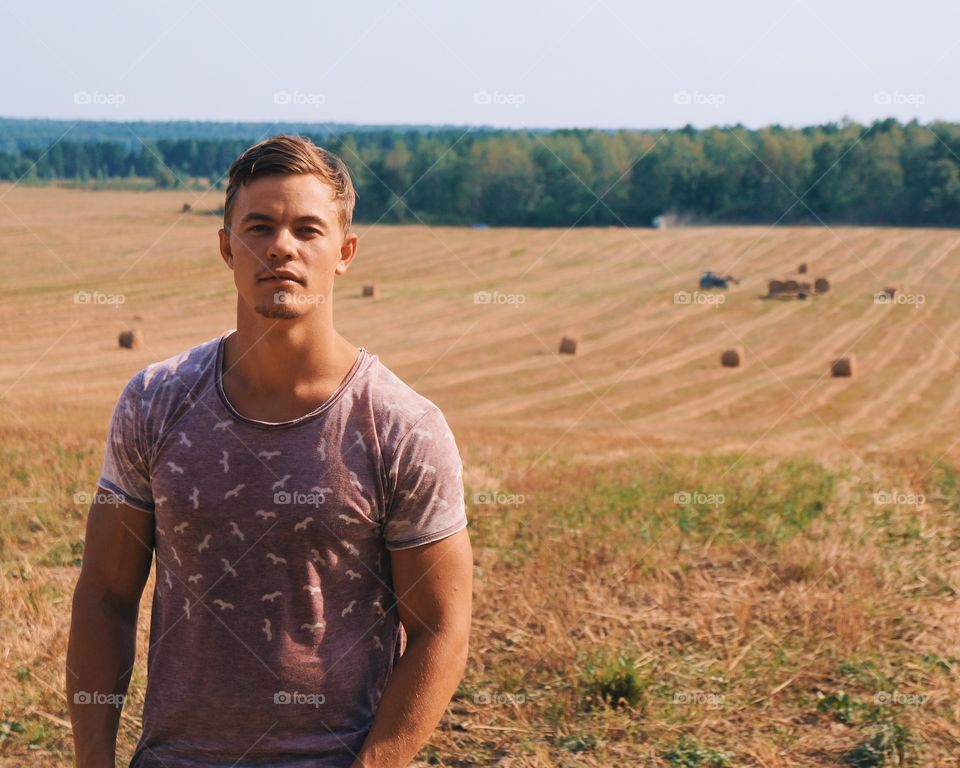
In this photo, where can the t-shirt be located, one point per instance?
(274, 628)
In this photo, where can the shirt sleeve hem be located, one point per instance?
(133, 501)
(428, 538)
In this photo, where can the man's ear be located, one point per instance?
(347, 251)
(225, 251)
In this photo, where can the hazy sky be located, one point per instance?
(608, 63)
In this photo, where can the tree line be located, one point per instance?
(839, 173)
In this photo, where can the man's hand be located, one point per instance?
(118, 551)
(433, 584)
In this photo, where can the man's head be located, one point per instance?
(289, 208)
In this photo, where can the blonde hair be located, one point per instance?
(292, 155)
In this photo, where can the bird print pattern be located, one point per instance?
(275, 543)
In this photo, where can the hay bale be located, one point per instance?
(774, 287)
(732, 358)
(890, 291)
(370, 291)
(131, 339)
(802, 269)
(790, 286)
(842, 367)
(821, 285)
(186, 208)
(568, 345)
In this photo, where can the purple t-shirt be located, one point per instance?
(274, 627)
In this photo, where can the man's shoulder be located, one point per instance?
(169, 382)
(397, 406)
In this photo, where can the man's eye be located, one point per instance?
(310, 230)
(258, 226)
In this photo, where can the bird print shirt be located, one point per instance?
(273, 627)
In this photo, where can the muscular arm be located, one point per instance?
(433, 584)
(118, 550)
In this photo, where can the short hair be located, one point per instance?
(284, 155)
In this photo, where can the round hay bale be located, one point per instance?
(802, 269)
(821, 285)
(843, 367)
(732, 357)
(370, 291)
(791, 285)
(186, 208)
(131, 339)
(568, 345)
(774, 287)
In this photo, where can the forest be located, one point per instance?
(885, 173)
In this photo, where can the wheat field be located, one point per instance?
(677, 563)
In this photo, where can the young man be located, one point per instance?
(303, 502)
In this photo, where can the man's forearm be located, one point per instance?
(414, 700)
(100, 656)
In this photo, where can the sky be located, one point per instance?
(601, 64)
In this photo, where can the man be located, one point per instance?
(303, 502)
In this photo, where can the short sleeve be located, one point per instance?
(126, 466)
(426, 479)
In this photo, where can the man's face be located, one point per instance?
(289, 224)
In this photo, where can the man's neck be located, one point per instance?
(279, 357)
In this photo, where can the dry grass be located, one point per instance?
(779, 615)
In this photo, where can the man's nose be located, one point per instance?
(282, 245)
